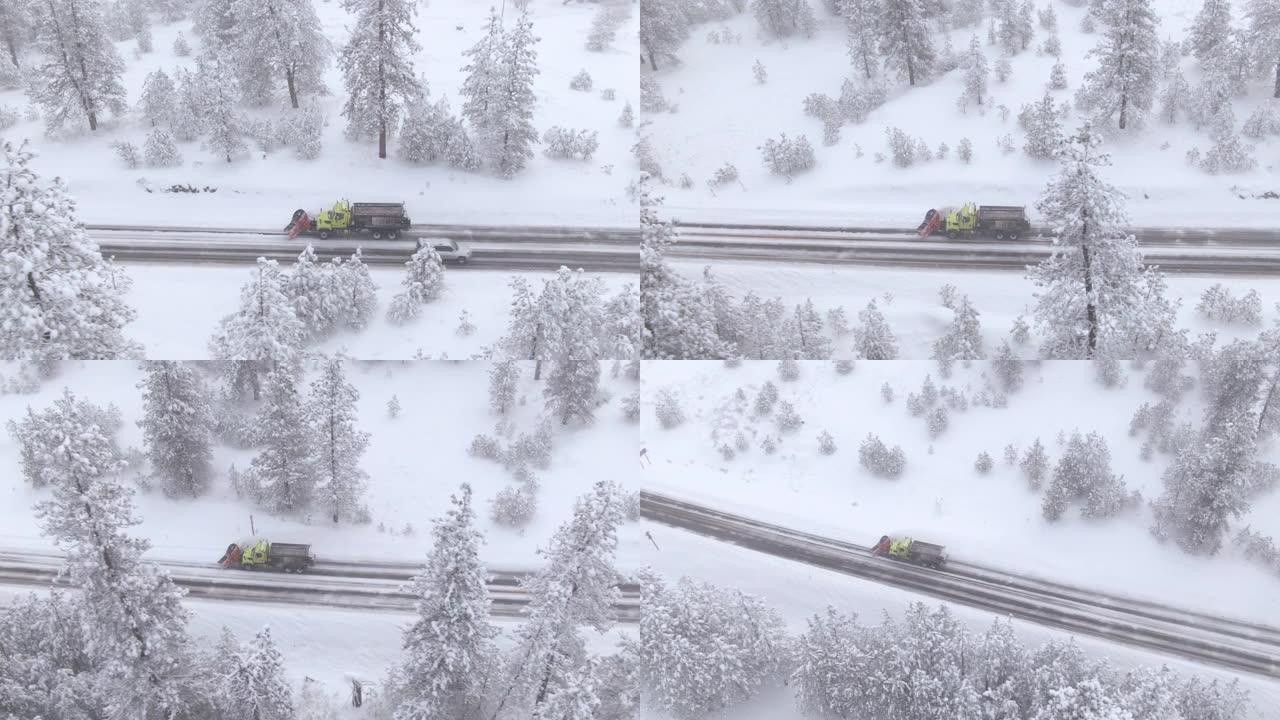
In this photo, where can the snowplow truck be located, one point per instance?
(916, 552)
(344, 218)
(1003, 222)
(260, 554)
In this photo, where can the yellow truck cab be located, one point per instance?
(963, 220)
(339, 218)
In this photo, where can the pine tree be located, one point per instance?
(159, 98)
(250, 678)
(1211, 26)
(17, 19)
(906, 40)
(1228, 154)
(422, 284)
(1044, 129)
(310, 288)
(860, 25)
(81, 74)
(572, 387)
(975, 71)
(504, 377)
(431, 133)
(177, 427)
(1121, 89)
(1096, 293)
(377, 64)
(283, 38)
(449, 651)
(784, 18)
(663, 28)
(480, 87)
(508, 132)
(575, 588)
(59, 299)
(225, 126)
(963, 338)
(1173, 100)
(266, 327)
(354, 293)
(131, 611)
(338, 443)
(873, 340)
(1264, 18)
(161, 150)
(283, 474)
(575, 699)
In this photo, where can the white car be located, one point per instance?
(449, 250)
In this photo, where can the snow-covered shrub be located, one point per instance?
(581, 82)
(628, 117)
(431, 133)
(393, 407)
(482, 446)
(1005, 143)
(1166, 374)
(886, 393)
(608, 19)
(844, 366)
(10, 74)
(1219, 304)
(146, 42)
(881, 461)
(1052, 46)
(1004, 69)
(1228, 154)
(1258, 548)
(727, 173)
(181, 47)
(609, 94)
(759, 72)
(938, 422)
(766, 399)
(1083, 474)
(8, 117)
(128, 153)
(727, 452)
(513, 507)
(901, 146)
(161, 150)
(667, 408)
(303, 131)
(645, 158)
(784, 18)
(1058, 77)
(651, 98)
(1043, 126)
(965, 151)
(740, 646)
(826, 443)
(403, 309)
(788, 419)
(1108, 371)
(570, 144)
(769, 444)
(872, 338)
(1034, 465)
(1261, 123)
(984, 463)
(858, 101)
(1010, 454)
(788, 369)
(1008, 368)
(787, 156)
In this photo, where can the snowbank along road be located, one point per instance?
(1242, 646)
(1232, 251)
(335, 584)
(493, 248)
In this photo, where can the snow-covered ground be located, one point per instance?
(994, 519)
(909, 300)
(723, 115)
(181, 330)
(260, 190)
(414, 463)
(798, 591)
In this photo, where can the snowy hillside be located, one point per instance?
(718, 455)
(262, 186)
(715, 112)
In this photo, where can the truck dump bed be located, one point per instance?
(928, 554)
(1002, 212)
(396, 209)
(291, 555)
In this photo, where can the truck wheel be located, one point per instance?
(324, 234)
(999, 234)
(393, 234)
(377, 234)
(462, 261)
(953, 235)
(1013, 234)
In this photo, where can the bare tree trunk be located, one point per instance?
(1277, 92)
(1090, 310)
(293, 89)
(12, 44)
(1271, 396)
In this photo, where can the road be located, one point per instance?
(331, 584)
(1225, 251)
(1238, 645)
(493, 248)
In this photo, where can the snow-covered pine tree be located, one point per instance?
(504, 378)
(249, 679)
(1096, 293)
(976, 71)
(449, 655)
(1043, 123)
(310, 288)
(1007, 367)
(283, 40)
(784, 18)
(177, 427)
(906, 40)
(159, 98)
(963, 339)
(1121, 89)
(377, 66)
(480, 87)
(739, 646)
(1084, 473)
(1211, 26)
(188, 113)
(576, 698)
(17, 19)
(1264, 18)
(575, 588)
(356, 295)
(935, 641)
(224, 124)
(664, 26)
(1228, 154)
(161, 150)
(860, 27)
(338, 443)
(282, 476)
(131, 611)
(423, 282)
(214, 21)
(46, 667)
(80, 76)
(59, 299)
(508, 133)
(872, 338)
(432, 133)
(1173, 99)
(572, 387)
(266, 327)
